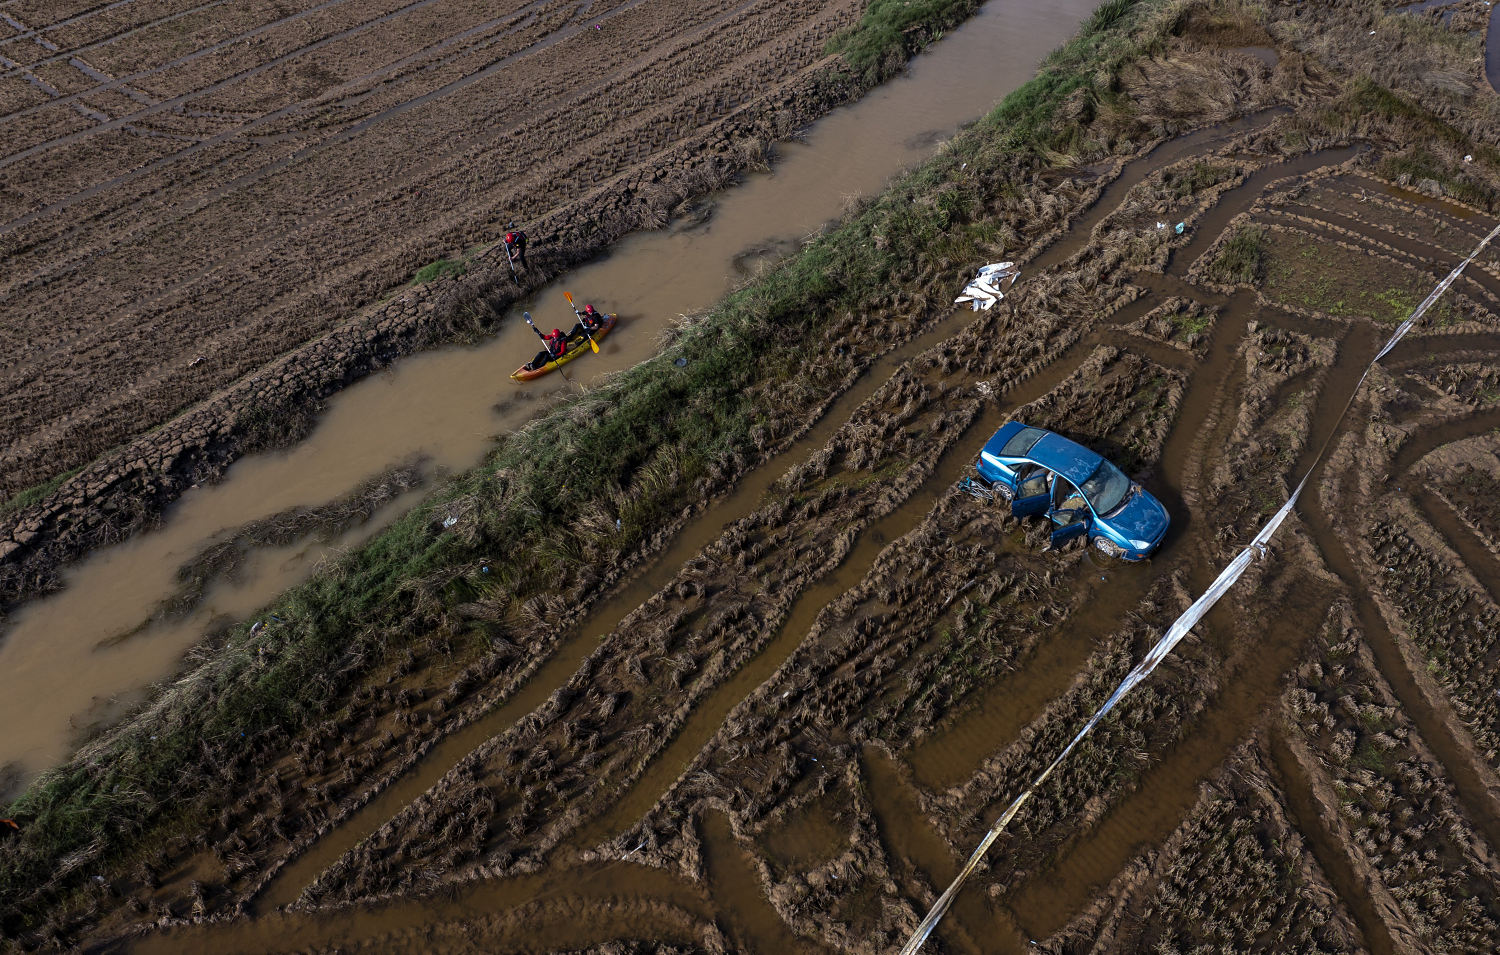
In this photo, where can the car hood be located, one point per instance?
(1143, 518)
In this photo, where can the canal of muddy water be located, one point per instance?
(80, 658)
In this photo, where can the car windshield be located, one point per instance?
(1021, 442)
(1105, 488)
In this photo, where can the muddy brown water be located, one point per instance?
(55, 680)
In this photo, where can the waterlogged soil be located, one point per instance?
(790, 730)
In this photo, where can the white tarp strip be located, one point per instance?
(988, 287)
(1179, 628)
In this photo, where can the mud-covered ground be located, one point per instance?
(209, 214)
(789, 733)
(192, 190)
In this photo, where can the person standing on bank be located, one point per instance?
(515, 247)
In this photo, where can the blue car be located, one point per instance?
(1081, 493)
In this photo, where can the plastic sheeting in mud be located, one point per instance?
(988, 286)
(1180, 628)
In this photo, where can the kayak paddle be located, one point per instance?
(592, 344)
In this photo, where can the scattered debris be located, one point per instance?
(988, 287)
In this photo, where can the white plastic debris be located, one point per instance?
(1469, 158)
(449, 521)
(988, 287)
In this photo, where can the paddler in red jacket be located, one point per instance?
(588, 321)
(554, 345)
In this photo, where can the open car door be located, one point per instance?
(1033, 492)
(1070, 514)
(1068, 524)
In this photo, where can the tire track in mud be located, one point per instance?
(1430, 437)
(1078, 231)
(757, 926)
(1247, 698)
(949, 756)
(1435, 348)
(910, 840)
(429, 166)
(1318, 823)
(1478, 559)
(1426, 251)
(667, 768)
(668, 773)
(1215, 220)
(577, 645)
(1473, 782)
(586, 900)
(1108, 847)
(104, 41)
(1399, 255)
(1167, 792)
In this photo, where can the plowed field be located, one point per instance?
(788, 730)
(190, 189)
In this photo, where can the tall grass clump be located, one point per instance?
(442, 268)
(891, 30)
(1242, 260)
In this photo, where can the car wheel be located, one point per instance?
(1003, 492)
(1108, 547)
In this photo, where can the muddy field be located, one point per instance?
(194, 189)
(209, 213)
(789, 727)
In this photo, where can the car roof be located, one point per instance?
(1068, 458)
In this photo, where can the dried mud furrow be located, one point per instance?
(572, 906)
(103, 41)
(436, 166)
(170, 103)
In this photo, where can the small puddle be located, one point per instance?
(448, 405)
(740, 898)
(911, 841)
(1265, 54)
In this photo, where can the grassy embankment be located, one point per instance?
(543, 508)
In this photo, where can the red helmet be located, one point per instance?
(557, 332)
(589, 309)
(510, 237)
